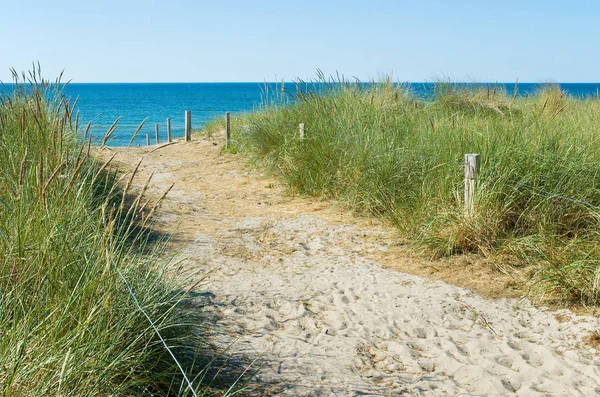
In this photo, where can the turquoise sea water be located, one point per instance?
(101, 104)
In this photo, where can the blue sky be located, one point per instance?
(185, 40)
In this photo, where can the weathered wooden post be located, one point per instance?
(169, 137)
(147, 138)
(301, 131)
(157, 135)
(188, 125)
(471, 171)
(227, 129)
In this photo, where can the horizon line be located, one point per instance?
(310, 82)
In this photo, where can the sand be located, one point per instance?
(300, 286)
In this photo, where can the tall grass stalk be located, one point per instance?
(68, 325)
(384, 152)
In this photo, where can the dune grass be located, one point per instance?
(384, 152)
(68, 324)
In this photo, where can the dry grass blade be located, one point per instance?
(23, 169)
(109, 196)
(103, 167)
(137, 131)
(51, 178)
(87, 130)
(142, 192)
(157, 204)
(110, 131)
(128, 185)
(162, 146)
(78, 164)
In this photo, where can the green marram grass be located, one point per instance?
(68, 325)
(384, 152)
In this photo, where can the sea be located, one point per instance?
(102, 103)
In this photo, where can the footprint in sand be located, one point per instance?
(298, 293)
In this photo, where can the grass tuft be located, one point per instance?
(383, 152)
(68, 325)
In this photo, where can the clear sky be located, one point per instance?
(256, 40)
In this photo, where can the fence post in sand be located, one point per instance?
(169, 137)
(157, 135)
(147, 139)
(471, 171)
(301, 127)
(188, 125)
(227, 129)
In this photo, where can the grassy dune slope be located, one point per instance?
(68, 325)
(386, 153)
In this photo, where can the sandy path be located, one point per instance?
(300, 284)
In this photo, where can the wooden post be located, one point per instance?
(471, 171)
(157, 135)
(301, 131)
(169, 137)
(148, 138)
(188, 125)
(227, 129)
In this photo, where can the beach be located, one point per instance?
(309, 292)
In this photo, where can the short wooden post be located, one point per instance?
(147, 138)
(301, 131)
(157, 135)
(188, 125)
(227, 129)
(471, 171)
(169, 137)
